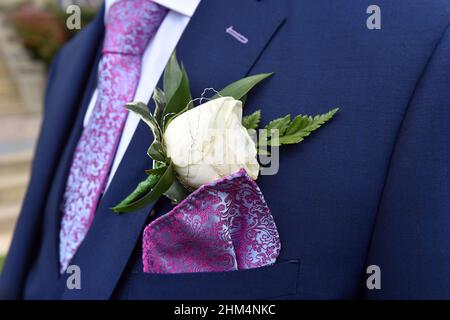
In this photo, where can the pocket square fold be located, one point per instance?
(222, 226)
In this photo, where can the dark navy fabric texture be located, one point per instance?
(372, 187)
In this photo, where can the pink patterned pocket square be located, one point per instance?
(222, 226)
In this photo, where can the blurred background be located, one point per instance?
(31, 32)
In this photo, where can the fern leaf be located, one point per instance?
(252, 121)
(302, 126)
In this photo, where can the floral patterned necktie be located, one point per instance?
(129, 27)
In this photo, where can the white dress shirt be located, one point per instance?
(154, 60)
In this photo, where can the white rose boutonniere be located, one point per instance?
(196, 145)
(209, 142)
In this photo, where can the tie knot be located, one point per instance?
(130, 24)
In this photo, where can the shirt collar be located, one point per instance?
(185, 7)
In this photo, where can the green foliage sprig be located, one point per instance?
(283, 130)
(176, 98)
(173, 100)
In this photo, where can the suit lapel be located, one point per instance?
(213, 58)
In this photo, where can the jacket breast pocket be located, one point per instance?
(270, 282)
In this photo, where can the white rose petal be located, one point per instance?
(209, 142)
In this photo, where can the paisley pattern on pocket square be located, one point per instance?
(222, 226)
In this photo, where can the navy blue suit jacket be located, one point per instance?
(372, 187)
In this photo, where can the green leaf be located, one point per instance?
(240, 88)
(244, 100)
(2, 261)
(172, 77)
(179, 100)
(156, 171)
(141, 109)
(177, 192)
(304, 125)
(263, 152)
(252, 121)
(163, 184)
(156, 151)
(280, 124)
(141, 189)
(299, 123)
(160, 104)
(263, 138)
